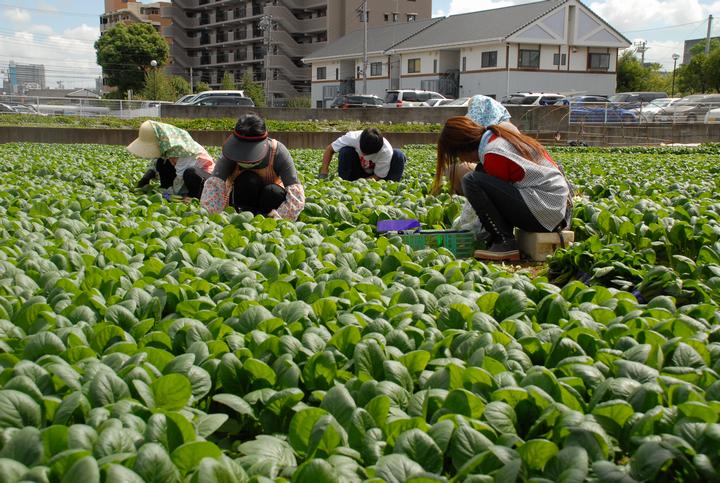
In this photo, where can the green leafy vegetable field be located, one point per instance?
(145, 341)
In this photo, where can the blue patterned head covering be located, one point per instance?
(486, 111)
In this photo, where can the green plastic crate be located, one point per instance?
(460, 243)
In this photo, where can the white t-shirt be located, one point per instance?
(377, 164)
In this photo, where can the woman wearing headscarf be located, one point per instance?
(255, 173)
(515, 184)
(182, 164)
(485, 111)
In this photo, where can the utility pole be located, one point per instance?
(707, 39)
(641, 47)
(365, 45)
(192, 88)
(266, 26)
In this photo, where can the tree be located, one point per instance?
(158, 87)
(252, 89)
(631, 74)
(228, 82)
(202, 86)
(180, 85)
(125, 52)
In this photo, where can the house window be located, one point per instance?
(435, 66)
(396, 17)
(464, 64)
(488, 59)
(598, 61)
(413, 66)
(387, 17)
(411, 17)
(559, 59)
(529, 59)
(321, 73)
(375, 68)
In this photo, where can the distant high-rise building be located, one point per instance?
(24, 76)
(210, 38)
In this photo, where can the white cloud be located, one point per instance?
(68, 57)
(629, 16)
(17, 15)
(41, 29)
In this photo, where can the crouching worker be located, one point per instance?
(182, 164)
(515, 183)
(255, 174)
(364, 154)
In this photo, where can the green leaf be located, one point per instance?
(570, 465)
(301, 427)
(236, 403)
(419, 447)
(649, 460)
(537, 452)
(25, 446)
(107, 388)
(397, 468)
(501, 417)
(18, 410)
(154, 465)
(340, 404)
(210, 423)
(188, 456)
(85, 470)
(11, 470)
(416, 361)
(120, 474)
(171, 392)
(179, 430)
(315, 471)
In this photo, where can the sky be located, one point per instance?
(60, 33)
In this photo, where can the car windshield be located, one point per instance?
(391, 97)
(660, 102)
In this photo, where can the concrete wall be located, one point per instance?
(616, 135)
(495, 83)
(553, 118)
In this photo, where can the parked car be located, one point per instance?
(409, 97)
(515, 98)
(436, 102)
(202, 95)
(632, 100)
(7, 109)
(713, 116)
(223, 100)
(647, 112)
(459, 102)
(185, 99)
(537, 99)
(23, 109)
(600, 112)
(581, 98)
(349, 101)
(689, 109)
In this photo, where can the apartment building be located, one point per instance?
(132, 11)
(547, 46)
(269, 37)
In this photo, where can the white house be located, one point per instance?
(548, 46)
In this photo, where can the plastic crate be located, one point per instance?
(460, 243)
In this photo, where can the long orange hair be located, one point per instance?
(462, 135)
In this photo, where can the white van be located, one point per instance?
(409, 98)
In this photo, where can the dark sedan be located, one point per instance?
(348, 101)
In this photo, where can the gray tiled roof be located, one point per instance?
(478, 26)
(380, 39)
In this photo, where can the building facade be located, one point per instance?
(269, 38)
(689, 44)
(132, 11)
(22, 77)
(549, 46)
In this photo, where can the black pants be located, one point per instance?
(250, 193)
(166, 171)
(194, 180)
(499, 205)
(350, 169)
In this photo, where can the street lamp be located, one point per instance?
(153, 64)
(675, 58)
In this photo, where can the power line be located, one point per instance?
(667, 27)
(50, 11)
